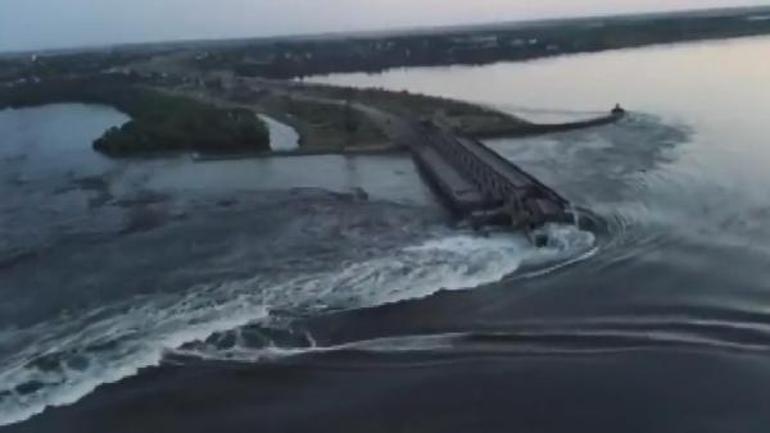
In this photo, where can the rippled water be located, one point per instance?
(689, 165)
(109, 264)
(683, 184)
(326, 258)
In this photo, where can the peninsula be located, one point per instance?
(159, 122)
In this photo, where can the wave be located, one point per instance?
(59, 362)
(546, 338)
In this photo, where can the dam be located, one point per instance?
(479, 185)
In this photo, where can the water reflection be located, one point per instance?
(716, 90)
(42, 142)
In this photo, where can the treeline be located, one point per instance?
(46, 66)
(159, 122)
(289, 59)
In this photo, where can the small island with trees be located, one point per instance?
(160, 122)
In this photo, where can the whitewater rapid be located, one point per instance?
(60, 361)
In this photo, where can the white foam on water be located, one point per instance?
(79, 360)
(456, 262)
(567, 245)
(407, 343)
(282, 136)
(546, 337)
(79, 354)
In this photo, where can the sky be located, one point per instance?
(42, 24)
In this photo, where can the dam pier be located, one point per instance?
(481, 186)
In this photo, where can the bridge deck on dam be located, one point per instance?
(511, 172)
(495, 162)
(461, 194)
(475, 180)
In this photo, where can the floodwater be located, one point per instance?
(332, 294)
(282, 137)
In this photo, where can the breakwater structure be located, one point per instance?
(528, 129)
(478, 184)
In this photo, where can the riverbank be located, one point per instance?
(289, 153)
(347, 120)
(475, 44)
(218, 114)
(158, 122)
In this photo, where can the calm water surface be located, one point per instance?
(660, 323)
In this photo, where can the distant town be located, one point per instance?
(286, 58)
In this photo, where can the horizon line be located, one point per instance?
(385, 31)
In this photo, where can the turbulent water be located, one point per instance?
(108, 267)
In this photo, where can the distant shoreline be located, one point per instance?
(396, 31)
(328, 120)
(473, 45)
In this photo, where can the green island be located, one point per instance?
(159, 122)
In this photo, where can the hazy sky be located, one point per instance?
(34, 24)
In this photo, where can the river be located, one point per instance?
(277, 294)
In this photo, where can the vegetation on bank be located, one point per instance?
(326, 126)
(321, 125)
(301, 57)
(462, 117)
(55, 65)
(159, 122)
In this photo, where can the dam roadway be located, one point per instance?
(474, 181)
(482, 186)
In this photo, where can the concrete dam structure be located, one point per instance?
(478, 184)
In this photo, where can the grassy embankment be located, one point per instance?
(321, 125)
(159, 122)
(464, 118)
(324, 125)
(331, 125)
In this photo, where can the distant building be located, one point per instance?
(477, 41)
